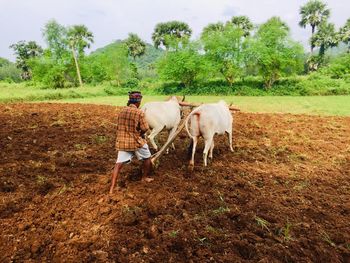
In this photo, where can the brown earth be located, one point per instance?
(282, 196)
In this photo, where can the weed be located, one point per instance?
(264, 224)
(99, 139)
(173, 233)
(41, 179)
(301, 185)
(63, 189)
(58, 123)
(285, 231)
(327, 238)
(79, 146)
(223, 208)
(211, 229)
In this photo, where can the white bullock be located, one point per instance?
(160, 115)
(206, 121)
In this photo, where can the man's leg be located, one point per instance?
(116, 170)
(144, 154)
(123, 157)
(146, 167)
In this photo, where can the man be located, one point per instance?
(131, 127)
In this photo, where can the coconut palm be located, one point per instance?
(243, 23)
(313, 13)
(79, 38)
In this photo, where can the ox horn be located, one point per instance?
(183, 98)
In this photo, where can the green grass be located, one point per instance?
(315, 105)
(21, 92)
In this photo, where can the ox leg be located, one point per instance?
(208, 143)
(171, 133)
(211, 150)
(229, 134)
(153, 134)
(194, 144)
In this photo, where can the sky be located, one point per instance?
(110, 20)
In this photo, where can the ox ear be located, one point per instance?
(183, 98)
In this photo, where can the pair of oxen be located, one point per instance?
(205, 121)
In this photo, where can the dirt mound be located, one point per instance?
(282, 196)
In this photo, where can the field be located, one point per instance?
(283, 195)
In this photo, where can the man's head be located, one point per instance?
(135, 98)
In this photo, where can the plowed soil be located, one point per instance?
(283, 195)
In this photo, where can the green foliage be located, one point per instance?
(55, 36)
(275, 53)
(79, 38)
(8, 71)
(185, 65)
(108, 64)
(136, 47)
(25, 51)
(345, 34)
(325, 37)
(243, 23)
(225, 50)
(313, 13)
(170, 34)
(338, 68)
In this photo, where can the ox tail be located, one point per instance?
(197, 114)
(186, 125)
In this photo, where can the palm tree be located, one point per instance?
(313, 13)
(243, 23)
(79, 38)
(136, 47)
(325, 37)
(167, 33)
(345, 34)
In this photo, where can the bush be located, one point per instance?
(9, 73)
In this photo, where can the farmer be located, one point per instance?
(131, 128)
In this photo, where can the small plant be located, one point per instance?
(202, 240)
(264, 224)
(285, 231)
(327, 238)
(223, 208)
(99, 139)
(41, 179)
(173, 233)
(63, 189)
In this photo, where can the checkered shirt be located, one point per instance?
(131, 125)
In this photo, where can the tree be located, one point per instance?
(184, 65)
(225, 49)
(79, 38)
(136, 47)
(55, 36)
(274, 52)
(313, 13)
(243, 23)
(325, 37)
(170, 34)
(212, 27)
(345, 34)
(25, 51)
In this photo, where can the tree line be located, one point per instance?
(230, 50)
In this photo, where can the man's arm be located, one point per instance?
(143, 123)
